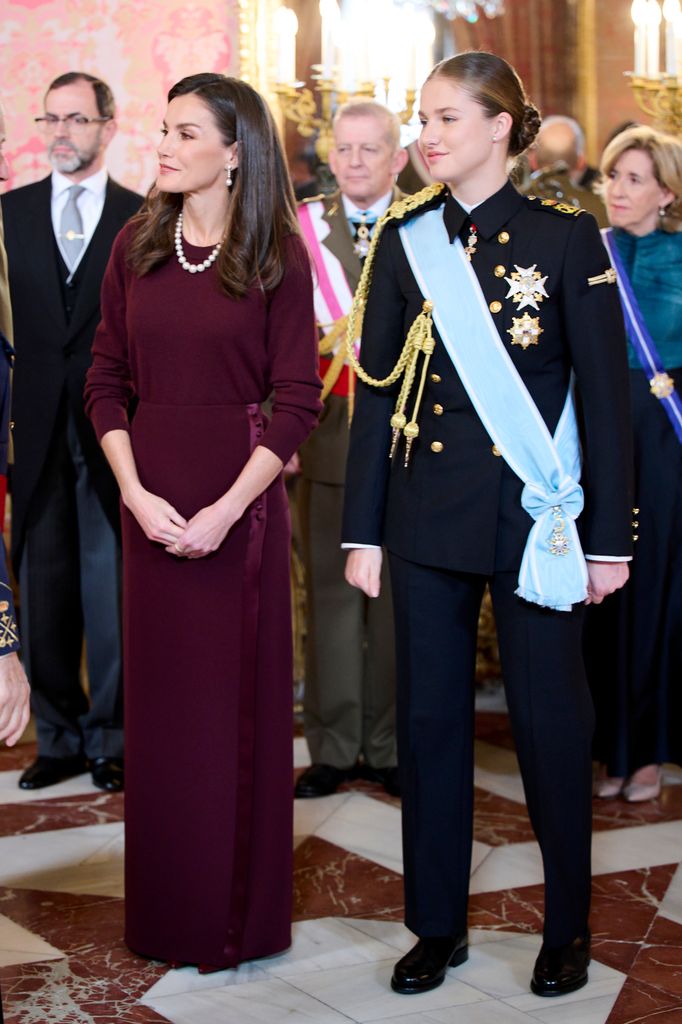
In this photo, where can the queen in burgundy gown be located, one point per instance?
(207, 641)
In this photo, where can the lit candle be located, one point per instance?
(653, 38)
(671, 12)
(678, 45)
(330, 16)
(638, 13)
(286, 26)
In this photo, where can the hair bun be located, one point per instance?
(526, 131)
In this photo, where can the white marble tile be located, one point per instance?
(507, 867)
(88, 859)
(10, 793)
(367, 827)
(20, 946)
(497, 770)
(501, 968)
(671, 904)
(396, 935)
(310, 814)
(301, 752)
(488, 1012)
(363, 993)
(624, 849)
(324, 944)
(592, 1010)
(264, 1002)
(188, 979)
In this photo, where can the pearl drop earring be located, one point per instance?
(228, 179)
(661, 211)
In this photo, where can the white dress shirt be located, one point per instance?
(90, 204)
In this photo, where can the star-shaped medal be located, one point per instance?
(527, 287)
(525, 330)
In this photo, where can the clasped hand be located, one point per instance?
(193, 538)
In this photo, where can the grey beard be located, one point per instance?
(78, 160)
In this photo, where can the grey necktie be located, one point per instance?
(71, 228)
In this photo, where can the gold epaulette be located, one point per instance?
(419, 338)
(557, 207)
(312, 199)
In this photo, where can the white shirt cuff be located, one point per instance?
(608, 558)
(350, 546)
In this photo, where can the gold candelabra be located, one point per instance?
(313, 112)
(660, 99)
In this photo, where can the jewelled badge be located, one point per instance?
(526, 287)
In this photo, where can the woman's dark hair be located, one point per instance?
(493, 83)
(261, 211)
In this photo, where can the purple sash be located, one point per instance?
(661, 384)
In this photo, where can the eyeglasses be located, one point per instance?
(76, 123)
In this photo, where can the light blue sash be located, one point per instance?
(553, 570)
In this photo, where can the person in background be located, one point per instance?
(207, 308)
(633, 644)
(14, 687)
(349, 695)
(557, 161)
(465, 462)
(65, 518)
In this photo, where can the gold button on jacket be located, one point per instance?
(435, 377)
(499, 270)
(437, 446)
(503, 237)
(495, 306)
(495, 450)
(438, 409)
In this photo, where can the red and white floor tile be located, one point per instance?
(62, 959)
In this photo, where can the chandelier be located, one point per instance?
(468, 9)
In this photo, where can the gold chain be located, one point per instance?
(396, 211)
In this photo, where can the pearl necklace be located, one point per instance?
(192, 268)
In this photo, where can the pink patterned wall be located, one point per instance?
(140, 47)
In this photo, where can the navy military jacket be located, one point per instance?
(458, 505)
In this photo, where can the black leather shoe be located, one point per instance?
(107, 773)
(561, 969)
(425, 966)
(321, 780)
(48, 771)
(389, 777)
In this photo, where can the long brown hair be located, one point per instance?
(494, 83)
(261, 211)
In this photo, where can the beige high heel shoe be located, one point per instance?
(606, 787)
(640, 787)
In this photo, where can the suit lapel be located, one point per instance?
(39, 252)
(99, 251)
(339, 241)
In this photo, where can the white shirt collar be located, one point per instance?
(95, 183)
(351, 209)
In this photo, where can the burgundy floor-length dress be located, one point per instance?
(207, 642)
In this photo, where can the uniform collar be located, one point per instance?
(489, 216)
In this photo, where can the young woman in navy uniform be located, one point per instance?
(447, 505)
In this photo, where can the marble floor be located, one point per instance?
(62, 959)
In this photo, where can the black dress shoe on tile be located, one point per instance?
(389, 777)
(48, 771)
(561, 969)
(425, 966)
(321, 780)
(107, 773)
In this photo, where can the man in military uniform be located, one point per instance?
(349, 699)
(557, 160)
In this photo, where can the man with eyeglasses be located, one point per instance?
(65, 529)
